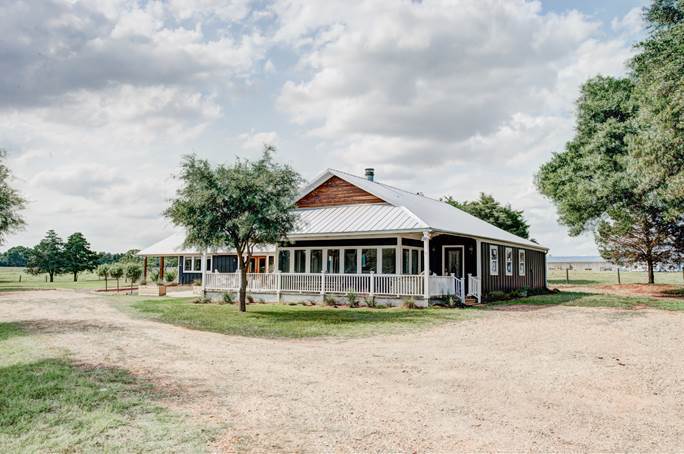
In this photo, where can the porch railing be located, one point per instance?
(475, 287)
(372, 284)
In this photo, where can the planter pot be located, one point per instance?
(152, 290)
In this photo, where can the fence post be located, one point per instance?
(372, 283)
(618, 268)
(567, 275)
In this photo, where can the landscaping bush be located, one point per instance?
(202, 300)
(228, 298)
(170, 276)
(370, 301)
(250, 299)
(352, 298)
(409, 303)
(329, 300)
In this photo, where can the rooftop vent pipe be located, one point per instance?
(370, 174)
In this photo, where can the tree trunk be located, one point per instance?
(117, 285)
(243, 289)
(75, 276)
(651, 276)
(52, 276)
(105, 283)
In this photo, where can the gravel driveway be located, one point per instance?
(552, 379)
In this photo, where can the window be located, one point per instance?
(299, 261)
(284, 261)
(509, 261)
(193, 264)
(369, 260)
(494, 260)
(271, 259)
(316, 261)
(521, 262)
(415, 261)
(389, 261)
(405, 261)
(350, 261)
(333, 261)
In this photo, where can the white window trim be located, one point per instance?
(522, 254)
(197, 258)
(358, 249)
(506, 251)
(491, 248)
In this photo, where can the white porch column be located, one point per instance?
(276, 260)
(478, 255)
(399, 256)
(204, 272)
(426, 266)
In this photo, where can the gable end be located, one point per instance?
(336, 191)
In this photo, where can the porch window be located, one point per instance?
(271, 260)
(521, 262)
(193, 264)
(389, 261)
(299, 261)
(509, 261)
(494, 260)
(333, 261)
(415, 261)
(369, 260)
(350, 261)
(284, 261)
(316, 261)
(405, 261)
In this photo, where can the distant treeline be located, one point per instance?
(19, 255)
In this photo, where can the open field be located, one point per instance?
(534, 377)
(557, 277)
(9, 280)
(50, 403)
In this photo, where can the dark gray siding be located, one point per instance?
(535, 275)
(436, 258)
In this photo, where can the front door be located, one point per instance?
(257, 264)
(453, 261)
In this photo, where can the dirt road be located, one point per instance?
(553, 379)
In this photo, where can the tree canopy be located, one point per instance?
(15, 256)
(11, 202)
(243, 205)
(47, 256)
(492, 211)
(78, 256)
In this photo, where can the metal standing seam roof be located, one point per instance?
(355, 218)
(173, 245)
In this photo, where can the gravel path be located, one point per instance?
(553, 379)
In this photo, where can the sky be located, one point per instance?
(99, 100)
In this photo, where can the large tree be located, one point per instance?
(594, 187)
(15, 256)
(247, 204)
(658, 74)
(11, 202)
(47, 256)
(490, 210)
(78, 256)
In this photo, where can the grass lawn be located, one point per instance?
(581, 299)
(557, 277)
(9, 280)
(50, 404)
(280, 320)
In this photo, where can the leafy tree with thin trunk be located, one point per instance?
(47, 256)
(78, 256)
(103, 271)
(11, 202)
(490, 210)
(133, 272)
(243, 205)
(116, 271)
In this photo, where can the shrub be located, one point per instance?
(381, 306)
(370, 301)
(228, 298)
(170, 276)
(498, 295)
(154, 276)
(202, 300)
(352, 298)
(329, 300)
(409, 303)
(250, 299)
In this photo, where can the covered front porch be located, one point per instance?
(379, 266)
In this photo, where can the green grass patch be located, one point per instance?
(50, 404)
(578, 277)
(16, 279)
(582, 299)
(279, 320)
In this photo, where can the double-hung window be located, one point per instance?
(193, 264)
(494, 260)
(521, 262)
